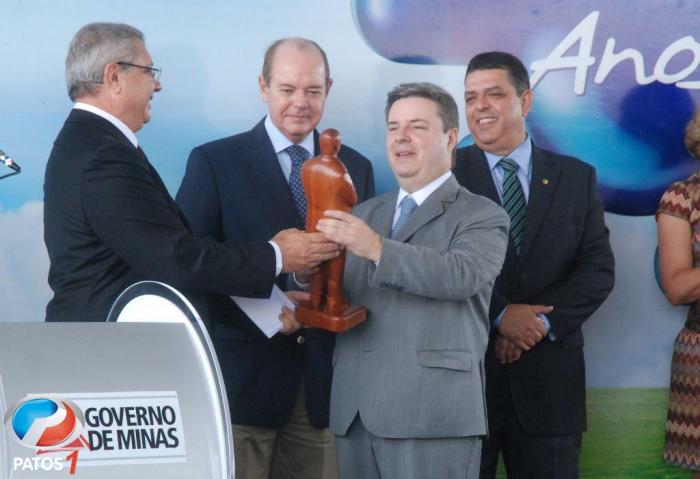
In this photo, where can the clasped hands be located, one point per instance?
(520, 329)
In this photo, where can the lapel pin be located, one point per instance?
(545, 181)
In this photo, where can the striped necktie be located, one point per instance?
(298, 155)
(513, 201)
(408, 206)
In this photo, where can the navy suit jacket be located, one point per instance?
(109, 222)
(565, 261)
(234, 189)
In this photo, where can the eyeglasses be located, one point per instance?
(154, 72)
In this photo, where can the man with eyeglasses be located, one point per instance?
(109, 220)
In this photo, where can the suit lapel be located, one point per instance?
(543, 185)
(431, 208)
(107, 127)
(383, 218)
(475, 175)
(87, 117)
(473, 172)
(262, 160)
(317, 146)
(159, 182)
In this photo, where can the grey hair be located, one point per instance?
(93, 47)
(447, 107)
(301, 44)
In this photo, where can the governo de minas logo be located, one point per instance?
(47, 424)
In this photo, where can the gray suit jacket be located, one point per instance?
(414, 368)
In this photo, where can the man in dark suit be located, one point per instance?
(245, 188)
(108, 219)
(559, 268)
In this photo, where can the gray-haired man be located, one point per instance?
(108, 219)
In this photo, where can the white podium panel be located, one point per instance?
(112, 400)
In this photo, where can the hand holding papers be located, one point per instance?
(265, 312)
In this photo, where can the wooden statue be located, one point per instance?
(328, 186)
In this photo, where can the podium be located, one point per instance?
(140, 395)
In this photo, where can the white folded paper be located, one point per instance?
(264, 312)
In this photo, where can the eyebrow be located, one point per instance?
(289, 85)
(412, 122)
(487, 90)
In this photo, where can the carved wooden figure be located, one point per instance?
(328, 186)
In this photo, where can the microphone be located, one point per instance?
(9, 162)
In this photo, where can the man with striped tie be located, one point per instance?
(559, 268)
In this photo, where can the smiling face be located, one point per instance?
(138, 89)
(297, 90)
(495, 112)
(418, 148)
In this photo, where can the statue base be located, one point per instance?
(308, 315)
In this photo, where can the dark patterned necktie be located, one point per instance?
(513, 201)
(408, 206)
(298, 155)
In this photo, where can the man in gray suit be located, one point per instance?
(408, 388)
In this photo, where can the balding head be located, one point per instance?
(298, 43)
(294, 83)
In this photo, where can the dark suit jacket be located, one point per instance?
(566, 261)
(234, 189)
(109, 221)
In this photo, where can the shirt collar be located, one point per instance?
(281, 142)
(422, 194)
(121, 126)
(521, 155)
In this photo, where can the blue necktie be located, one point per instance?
(408, 206)
(513, 201)
(298, 155)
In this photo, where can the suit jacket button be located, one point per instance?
(301, 339)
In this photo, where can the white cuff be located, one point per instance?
(278, 258)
